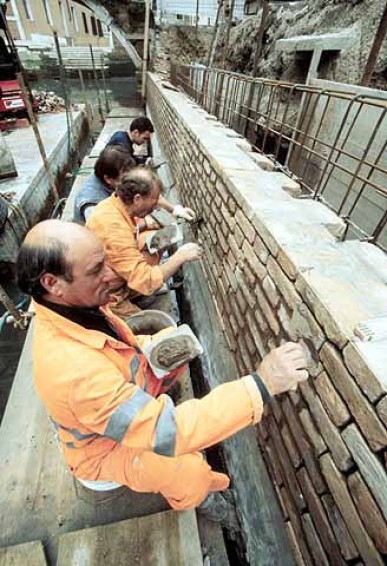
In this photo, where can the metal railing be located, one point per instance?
(332, 141)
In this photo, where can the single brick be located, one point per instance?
(245, 226)
(320, 518)
(347, 548)
(365, 378)
(336, 408)
(314, 543)
(283, 284)
(290, 446)
(369, 465)
(271, 291)
(339, 490)
(303, 446)
(252, 260)
(267, 312)
(361, 409)
(381, 409)
(294, 543)
(314, 436)
(328, 431)
(288, 474)
(295, 522)
(368, 511)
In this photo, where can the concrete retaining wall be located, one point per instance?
(274, 270)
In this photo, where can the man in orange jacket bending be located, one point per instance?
(113, 419)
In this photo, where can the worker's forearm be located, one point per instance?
(171, 266)
(229, 408)
(165, 204)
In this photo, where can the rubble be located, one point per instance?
(49, 102)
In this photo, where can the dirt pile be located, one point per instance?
(315, 17)
(179, 44)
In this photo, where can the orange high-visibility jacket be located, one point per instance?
(116, 230)
(99, 391)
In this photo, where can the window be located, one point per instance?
(100, 30)
(47, 12)
(75, 19)
(27, 9)
(93, 25)
(85, 22)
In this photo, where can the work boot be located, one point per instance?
(219, 507)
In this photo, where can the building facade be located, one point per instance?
(32, 23)
(183, 12)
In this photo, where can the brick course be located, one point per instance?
(324, 445)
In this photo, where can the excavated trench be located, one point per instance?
(215, 455)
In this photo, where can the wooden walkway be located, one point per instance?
(45, 519)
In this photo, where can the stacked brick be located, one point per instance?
(324, 445)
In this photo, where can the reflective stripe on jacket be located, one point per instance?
(99, 392)
(116, 230)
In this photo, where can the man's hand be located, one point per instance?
(189, 252)
(183, 212)
(283, 368)
(151, 223)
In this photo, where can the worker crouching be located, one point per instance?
(114, 420)
(121, 224)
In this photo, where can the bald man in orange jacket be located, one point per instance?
(113, 418)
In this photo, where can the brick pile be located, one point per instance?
(324, 445)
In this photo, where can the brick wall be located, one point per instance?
(277, 272)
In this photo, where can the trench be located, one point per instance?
(215, 455)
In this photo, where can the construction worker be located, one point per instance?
(111, 164)
(121, 223)
(139, 133)
(113, 419)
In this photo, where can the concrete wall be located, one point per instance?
(273, 270)
(331, 122)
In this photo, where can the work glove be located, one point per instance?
(183, 212)
(149, 162)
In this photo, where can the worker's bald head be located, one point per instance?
(49, 248)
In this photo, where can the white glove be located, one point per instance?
(151, 223)
(183, 212)
(149, 162)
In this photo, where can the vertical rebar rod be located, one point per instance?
(197, 29)
(19, 319)
(107, 106)
(38, 137)
(63, 78)
(373, 56)
(96, 83)
(145, 51)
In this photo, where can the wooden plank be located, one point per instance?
(164, 538)
(31, 553)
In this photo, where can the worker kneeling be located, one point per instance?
(121, 224)
(113, 419)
